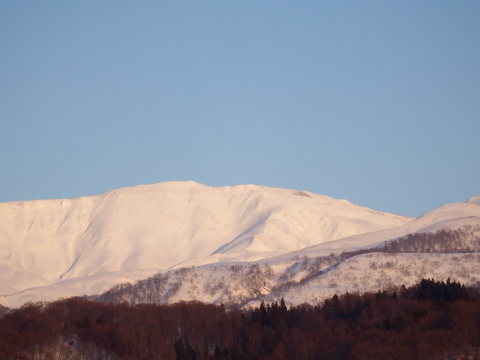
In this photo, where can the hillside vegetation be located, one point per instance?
(431, 320)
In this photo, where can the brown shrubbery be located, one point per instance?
(433, 320)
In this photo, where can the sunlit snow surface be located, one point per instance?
(60, 248)
(475, 200)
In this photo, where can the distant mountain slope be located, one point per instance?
(134, 232)
(450, 216)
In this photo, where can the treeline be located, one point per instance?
(464, 240)
(432, 320)
(3, 310)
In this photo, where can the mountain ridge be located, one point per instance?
(150, 228)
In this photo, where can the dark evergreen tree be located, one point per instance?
(180, 350)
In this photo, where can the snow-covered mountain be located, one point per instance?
(441, 244)
(238, 244)
(51, 248)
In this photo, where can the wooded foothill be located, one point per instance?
(431, 320)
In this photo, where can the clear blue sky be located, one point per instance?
(377, 102)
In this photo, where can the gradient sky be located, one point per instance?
(376, 102)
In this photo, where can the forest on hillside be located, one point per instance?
(431, 320)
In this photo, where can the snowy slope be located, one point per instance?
(450, 216)
(474, 200)
(379, 271)
(86, 245)
(374, 272)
